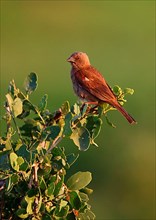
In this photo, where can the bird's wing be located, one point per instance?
(93, 82)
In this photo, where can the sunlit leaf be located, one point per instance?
(9, 100)
(81, 138)
(79, 180)
(86, 190)
(65, 107)
(22, 213)
(13, 161)
(128, 91)
(17, 106)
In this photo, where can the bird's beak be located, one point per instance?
(71, 60)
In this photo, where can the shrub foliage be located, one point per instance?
(33, 162)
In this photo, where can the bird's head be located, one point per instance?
(79, 60)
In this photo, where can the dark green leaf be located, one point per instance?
(4, 161)
(43, 103)
(14, 178)
(49, 191)
(22, 213)
(79, 180)
(117, 90)
(74, 200)
(81, 138)
(84, 109)
(32, 192)
(94, 126)
(52, 132)
(58, 186)
(67, 127)
(61, 212)
(71, 158)
(46, 217)
(31, 83)
(71, 216)
(24, 166)
(23, 152)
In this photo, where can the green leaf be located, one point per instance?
(58, 187)
(14, 178)
(30, 201)
(94, 126)
(81, 138)
(86, 190)
(43, 103)
(67, 127)
(46, 217)
(17, 106)
(12, 88)
(20, 160)
(4, 162)
(22, 213)
(24, 166)
(23, 152)
(128, 91)
(74, 200)
(75, 109)
(79, 180)
(42, 183)
(88, 214)
(84, 109)
(65, 108)
(71, 158)
(52, 131)
(9, 100)
(117, 90)
(109, 122)
(61, 213)
(49, 191)
(31, 83)
(13, 161)
(32, 192)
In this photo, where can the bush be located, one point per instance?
(33, 164)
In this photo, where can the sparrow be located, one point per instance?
(90, 86)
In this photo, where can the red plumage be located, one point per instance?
(90, 85)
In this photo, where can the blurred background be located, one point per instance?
(119, 37)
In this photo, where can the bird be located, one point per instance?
(90, 86)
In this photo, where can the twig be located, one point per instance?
(54, 144)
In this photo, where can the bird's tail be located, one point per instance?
(129, 118)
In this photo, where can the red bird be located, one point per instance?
(89, 84)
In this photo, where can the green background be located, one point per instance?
(119, 37)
